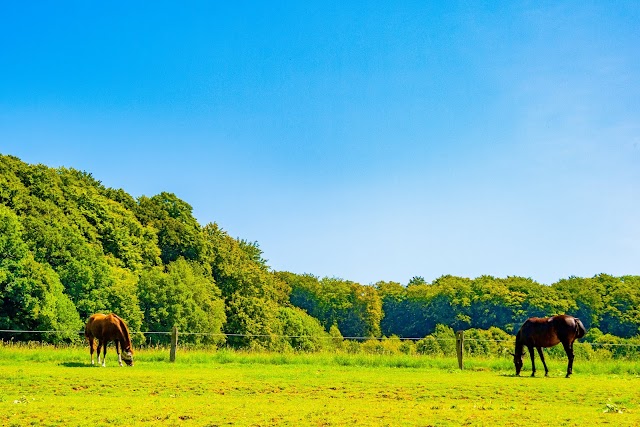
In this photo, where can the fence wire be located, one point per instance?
(168, 333)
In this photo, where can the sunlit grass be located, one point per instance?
(45, 385)
(267, 389)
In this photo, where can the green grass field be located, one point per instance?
(43, 386)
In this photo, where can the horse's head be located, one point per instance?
(127, 356)
(517, 362)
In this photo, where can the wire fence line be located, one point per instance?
(168, 333)
(17, 331)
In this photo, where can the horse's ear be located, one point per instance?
(513, 354)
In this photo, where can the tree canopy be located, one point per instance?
(70, 247)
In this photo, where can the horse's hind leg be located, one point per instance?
(102, 345)
(99, 349)
(568, 348)
(541, 353)
(91, 349)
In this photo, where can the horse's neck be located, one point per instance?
(126, 341)
(124, 338)
(519, 346)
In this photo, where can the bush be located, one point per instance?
(301, 331)
(446, 339)
(491, 342)
(429, 345)
(336, 337)
(373, 346)
(407, 347)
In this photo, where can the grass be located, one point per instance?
(48, 386)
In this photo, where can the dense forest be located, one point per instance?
(70, 247)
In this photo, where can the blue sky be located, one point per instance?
(363, 140)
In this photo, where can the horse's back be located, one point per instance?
(102, 326)
(549, 331)
(90, 330)
(538, 332)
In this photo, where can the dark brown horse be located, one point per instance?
(107, 328)
(547, 332)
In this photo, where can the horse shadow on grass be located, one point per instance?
(75, 365)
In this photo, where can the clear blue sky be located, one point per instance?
(363, 140)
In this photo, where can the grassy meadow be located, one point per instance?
(49, 386)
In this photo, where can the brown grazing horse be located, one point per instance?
(107, 328)
(547, 332)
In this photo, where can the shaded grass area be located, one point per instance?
(49, 386)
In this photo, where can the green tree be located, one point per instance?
(184, 296)
(355, 309)
(493, 304)
(301, 331)
(253, 294)
(396, 313)
(179, 234)
(621, 313)
(253, 322)
(451, 304)
(417, 280)
(585, 298)
(31, 295)
(420, 321)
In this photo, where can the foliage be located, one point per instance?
(178, 231)
(31, 295)
(355, 309)
(414, 311)
(253, 294)
(70, 247)
(183, 296)
(302, 332)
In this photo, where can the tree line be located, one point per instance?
(70, 247)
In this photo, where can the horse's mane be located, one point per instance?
(125, 331)
(519, 344)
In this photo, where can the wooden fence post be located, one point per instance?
(460, 347)
(174, 344)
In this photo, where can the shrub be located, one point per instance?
(429, 345)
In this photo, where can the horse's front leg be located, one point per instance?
(533, 362)
(541, 353)
(118, 351)
(568, 348)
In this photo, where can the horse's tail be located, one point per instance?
(87, 332)
(581, 331)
